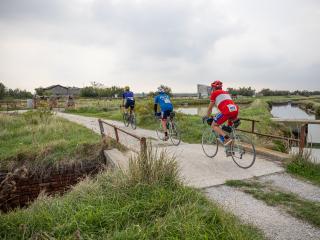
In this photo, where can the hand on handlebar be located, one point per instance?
(205, 119)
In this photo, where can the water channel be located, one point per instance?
(289, 111)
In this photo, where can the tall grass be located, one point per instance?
(304, 167)
(153, 167)
(133, 206)
(39, 139)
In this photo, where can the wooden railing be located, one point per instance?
(301, 141)
(142, 140)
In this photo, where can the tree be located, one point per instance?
(39, 91)
(2, 90)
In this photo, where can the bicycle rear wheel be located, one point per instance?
(209, 143)
(243, 151)
(174, 133)
(125, 119)
(133, 121)
(160, 132)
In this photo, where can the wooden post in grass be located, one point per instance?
(116, 133)
(252, 126)
(101, 127)
(143, 145)
(302, 142)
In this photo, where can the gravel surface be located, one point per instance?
(290, 184)
(275, 223)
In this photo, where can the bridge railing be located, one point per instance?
(301, 141)
(129, 140)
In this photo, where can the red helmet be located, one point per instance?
(217, 84)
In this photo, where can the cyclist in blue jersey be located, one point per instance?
(166, 107)
(128, 99)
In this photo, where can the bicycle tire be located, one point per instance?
(160, 133)
(241, 146)
(174, 134)
(133, 121)
(125, 119)
(209, 143)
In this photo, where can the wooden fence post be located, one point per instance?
(116, 133)
(252, 126)
(302, 142)
(101, 127)
(143, 145)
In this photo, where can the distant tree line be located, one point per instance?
(248, 91)
(243, 91)
(268, 92)
(13, 93)
(98, 90)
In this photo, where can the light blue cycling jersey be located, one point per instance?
(164, 101)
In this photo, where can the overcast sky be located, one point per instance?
(143, 43)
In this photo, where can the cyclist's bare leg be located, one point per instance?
(164, 127)
(219, 131)
(215, 127)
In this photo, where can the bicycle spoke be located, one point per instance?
(174, 133)
(243, 151)
(209, 143)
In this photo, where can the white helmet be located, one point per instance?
(160, 90)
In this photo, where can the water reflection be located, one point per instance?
(196, 110)
(293, 112)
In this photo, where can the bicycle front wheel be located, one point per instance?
(243, 151)
(174, 134)
(209, 143)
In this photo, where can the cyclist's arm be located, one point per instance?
(155, 107)
(210, 107)
(123, 99)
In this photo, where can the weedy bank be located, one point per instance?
(147, 202)
(38, 139)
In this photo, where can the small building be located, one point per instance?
(59, 90)
(203, 91)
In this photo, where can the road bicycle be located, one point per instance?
(241, 149)
(129, 119)
(172, 128)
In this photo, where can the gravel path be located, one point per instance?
(289, 184)
(275, 223)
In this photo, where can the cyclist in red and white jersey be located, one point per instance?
(228, 110)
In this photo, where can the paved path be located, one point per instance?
(197, 170)
(208, 174)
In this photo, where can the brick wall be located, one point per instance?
(26, 189)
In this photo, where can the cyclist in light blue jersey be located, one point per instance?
(166, 107)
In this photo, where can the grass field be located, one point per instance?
(148, 202)
(40, 139)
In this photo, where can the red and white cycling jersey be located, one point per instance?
(223, 101)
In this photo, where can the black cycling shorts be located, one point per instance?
(165, 114)
(129, 104)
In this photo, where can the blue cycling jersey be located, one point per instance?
(128, 96)
(164, 101)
